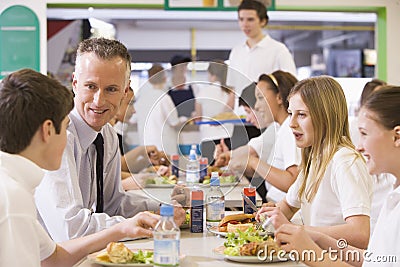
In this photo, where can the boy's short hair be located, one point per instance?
(156, 74)
(27, 99)
(255, 5)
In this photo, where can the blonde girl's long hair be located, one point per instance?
(327, 105)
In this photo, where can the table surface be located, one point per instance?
(233, 197)
(197, 251)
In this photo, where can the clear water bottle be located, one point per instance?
(193, 168)
(166, 239)
(215, 200)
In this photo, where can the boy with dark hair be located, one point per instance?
(34, 110)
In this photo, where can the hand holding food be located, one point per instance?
(275, 214)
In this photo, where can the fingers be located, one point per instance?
(181, 194)
(263, 213)
(163, 170)
(147, 219)
(269, 204)
(179, 213)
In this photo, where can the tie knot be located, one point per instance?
(99, 141)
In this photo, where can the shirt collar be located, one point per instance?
(86, 134)
(262, 43)
(22, 170)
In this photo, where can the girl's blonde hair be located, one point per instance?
(327, 105)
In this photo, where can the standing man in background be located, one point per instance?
(259, 53)
(85, 195)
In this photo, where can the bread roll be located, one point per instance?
(232, 228)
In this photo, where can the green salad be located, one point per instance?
(235, 241)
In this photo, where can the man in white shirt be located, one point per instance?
(260, 53)
(84, 196)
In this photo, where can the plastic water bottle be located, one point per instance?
(166, 239)
(215, 200)
(193, 168)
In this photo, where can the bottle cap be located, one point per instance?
(214, 181)
(166, 210)
(174, 157)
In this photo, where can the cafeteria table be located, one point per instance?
(233, 197)
(197, 251)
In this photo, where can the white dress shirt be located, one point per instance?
(66, 198)
(23, 240)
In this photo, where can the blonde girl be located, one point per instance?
(333, 189)
(379, 126)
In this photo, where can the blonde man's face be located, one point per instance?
(99, 87)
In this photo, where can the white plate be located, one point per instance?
(225, 234)
(249, 259)
(255, 259)
(92, 259)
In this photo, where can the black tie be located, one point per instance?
(99, 171)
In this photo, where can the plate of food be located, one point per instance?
(117, 254)
(248, 248)
(226, 178)
(235, 224)
(161, 181)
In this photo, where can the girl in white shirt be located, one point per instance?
(379, 126)
(280, 170)
(333, 189)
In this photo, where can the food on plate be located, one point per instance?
(232, 223)
(118, 253)
(225, 177)
(162, 180)
(250, 243)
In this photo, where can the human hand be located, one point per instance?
(152, 152)
(275, 214)
(268, 204)
(163, 170)
(294, 237)
(179, 213)
(141, 225)
(181, 194)
(222, 160)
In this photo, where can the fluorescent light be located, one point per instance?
(100, 13)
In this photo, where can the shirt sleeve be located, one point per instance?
(24, 242)
(292, 195)
(353, 186)
(60, 203)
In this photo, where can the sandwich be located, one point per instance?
(231, 223)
